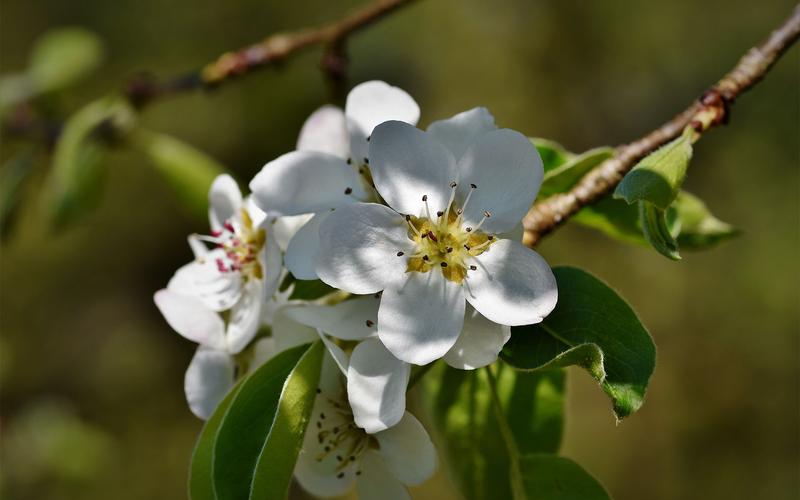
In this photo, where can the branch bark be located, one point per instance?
(709, 111)
(270, 51)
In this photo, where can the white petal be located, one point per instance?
(303, 250)
(408, 451)
(513, 285)
(302, 182)
(479, 343)
(377, 482)
(359, 245)
(354, 319)
(245, 317)
(508, 171)
(376, 386)
(258, 216)
(370, 104)
(325, 131)
(285, 228)
(420, 320)
(289, 333)
(461, 130)
(271, 261)
(191, 318)
(201, 279)
(224, 200)
(406, 164)
(208, 378)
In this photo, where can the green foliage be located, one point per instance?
(78, 168)
(186, 169)
(553, 154)
(548, 477)
(261, 429)
(459, 405)
(13, 174)
(305, 289)
(698, 227)
(567, 174)
(656, 230)
(64, 56)
(594, 328)
(657, 177)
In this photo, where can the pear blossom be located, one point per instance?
(440, 240)
(338, 453)
(329, 167)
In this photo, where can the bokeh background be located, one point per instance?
(91, 376)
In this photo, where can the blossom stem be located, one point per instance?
(517, 487)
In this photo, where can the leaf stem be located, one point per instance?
(517, 487)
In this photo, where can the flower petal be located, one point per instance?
(325, 131)
(302, 182)
(224, 200)
(285, 228)
(349, 320)
(208, 378)
(191, 318)
(289, 333)
(303, 250)
(508, 172)
(370, 104)
(202, 279)
(377, 482)
(245, 316)
(460, 131)
(359, 244)
(336, 353)
(408, 451)
(420, 320)
(271, 261)
(479, 343)
(376, 386)
(513, 285)
(407, 163)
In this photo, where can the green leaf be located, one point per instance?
(656, 230)
(613, 217)
(658, 176)
(13, 174)
(186, 169)
(201, 486)
(64, 56)
(553, 154)
(594, 328)
(458, 404)
(699, 228)
(566, 175)
(308, 289)
(75, 180)
(261, 434)
(548, 477)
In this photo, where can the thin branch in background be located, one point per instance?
(710, 110)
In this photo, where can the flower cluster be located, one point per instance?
(421, 229)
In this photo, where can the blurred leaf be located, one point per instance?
(553, 154)
(613, 217)
(74, 182)
(14, 172)
(566, 175)
(64, 56)
(201, 486)
(186, 169)
(594, 328)
(656, 230)
(699, 228)
(305, 289)
(549, 477)
(14, 89)
(262, 431)
(657, 177)
(459, 405)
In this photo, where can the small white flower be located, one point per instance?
(452, 194)
(337, 452)
(329, 167)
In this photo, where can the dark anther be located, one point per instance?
(444, 264)
(459, 211)
(336, 430)
(319, 390)
(339, 458)
(400, 254)
(370, 323)
(424, 235)
(453, 184)
(349, 161)
(473, 186)
(487, 214)
(432, 236)
(369, 137)
(358, 473)
(340, 475)
(408, 218)
(439, 213)
(327, 449)
(473, 268)
(319, 424)
(348, 190)
(469, 229)
(424, 197)
(366, 161)
(449, 249)
(467, 247)
(352, 458)
(425, 258)
(490, 237)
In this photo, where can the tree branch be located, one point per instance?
(710, 110)
(270, 51)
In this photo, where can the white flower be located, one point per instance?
(237, 276)
(328, 168)
(452, 194)
(337, 452)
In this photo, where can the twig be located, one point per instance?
(272, 50)
(710, 110)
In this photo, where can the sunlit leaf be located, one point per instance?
(594, 328)
(553, 154)
(549, 477)
(656, 230)
(698, 227)
(566, 175)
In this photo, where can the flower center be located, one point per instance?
(242, 244)
(445, 242)
(338, 437)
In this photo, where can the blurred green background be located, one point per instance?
(91, 376)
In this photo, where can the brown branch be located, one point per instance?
(710, 110)
(270, 51)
